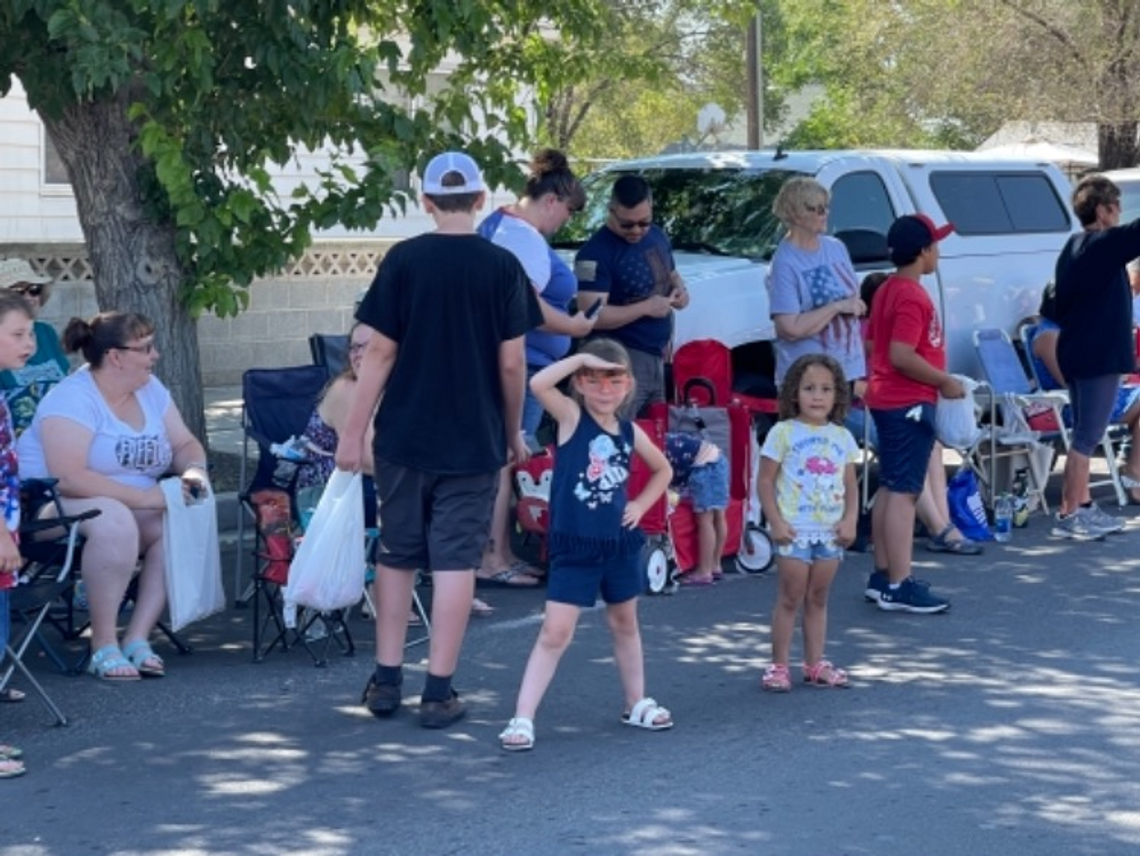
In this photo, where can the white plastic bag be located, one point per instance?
(328, 570)
(193, 564)
(955, 419)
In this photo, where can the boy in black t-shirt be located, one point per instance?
(449, 309)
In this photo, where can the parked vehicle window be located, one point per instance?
(1129, 199)
(988, 203)
(725, 212)
(859, 200)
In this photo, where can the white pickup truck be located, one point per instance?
(1011, 220)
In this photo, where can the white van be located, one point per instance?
(1011, 220)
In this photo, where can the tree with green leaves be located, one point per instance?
(949, 73)
(641, 88)
(170, 114)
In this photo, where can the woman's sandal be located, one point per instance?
(9, 769)
(10, 753)
(963, 546)
(777, 679)
(143, 658)
(518, 736)
(1132, 486)
(106, 660)
(647, 714)
(824, 674)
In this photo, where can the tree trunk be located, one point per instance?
(133, 257)
(1118, 145)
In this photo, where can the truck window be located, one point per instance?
(859, 201)
(989, 203)
(726, 212)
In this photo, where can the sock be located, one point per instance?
(436, 688)
(1086, 504)
(389, 675)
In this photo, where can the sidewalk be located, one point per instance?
(223, 427)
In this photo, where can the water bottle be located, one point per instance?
(292, 449)
(1003, 517)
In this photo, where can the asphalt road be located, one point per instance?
(1009, 725)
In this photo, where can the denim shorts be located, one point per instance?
(809, 554)
(708, 486)
(906, 439)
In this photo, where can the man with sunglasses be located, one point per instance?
(628, 264)
(23, 388)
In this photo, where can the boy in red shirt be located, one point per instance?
(907, 371)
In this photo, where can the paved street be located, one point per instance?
(1009, 725)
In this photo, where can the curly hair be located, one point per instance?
(794, 197)
(790, 389)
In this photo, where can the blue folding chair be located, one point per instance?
(1009, 391)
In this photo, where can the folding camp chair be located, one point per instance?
(329, 350)
(47, 575)
(1008, 391)
(276, 405)
(1115, 436)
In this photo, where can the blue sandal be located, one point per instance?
(140, 653)
(107, 659)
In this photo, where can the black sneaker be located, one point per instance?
(440, 714)
(911, 597)
(876, 583)
(381, 699)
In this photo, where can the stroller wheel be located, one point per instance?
(755, 555)
(655, 561)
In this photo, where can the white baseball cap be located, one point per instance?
(450, 163)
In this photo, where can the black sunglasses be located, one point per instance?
(34, 289)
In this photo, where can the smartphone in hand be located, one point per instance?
(593, 311)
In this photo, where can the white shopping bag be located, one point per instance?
(328, 570)
(955, 419)
(193, 564)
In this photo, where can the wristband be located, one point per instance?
(197, 465)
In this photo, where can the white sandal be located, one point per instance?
(645, 715)
(518, 727)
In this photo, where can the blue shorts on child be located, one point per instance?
(708, 486)
(906, 439)
(617, 579)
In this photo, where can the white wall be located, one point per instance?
(32, 211)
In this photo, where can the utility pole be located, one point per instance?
(755, 100)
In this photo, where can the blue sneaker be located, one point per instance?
(876, 584)
(911, 597)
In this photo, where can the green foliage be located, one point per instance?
(641, 88)
(219, 92)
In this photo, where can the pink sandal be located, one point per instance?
(824, 674)
(777, 679)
